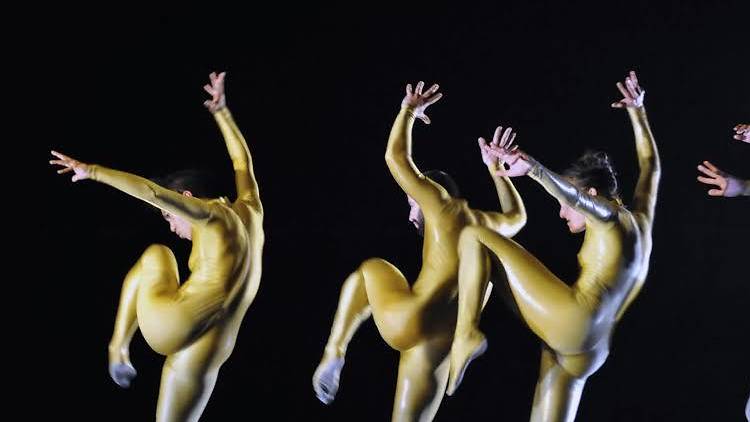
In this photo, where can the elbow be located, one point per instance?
(394, 160)
(651, 165)
(514, 223)
(519, 221)
(240, 164)
(654, 167)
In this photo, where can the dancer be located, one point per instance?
(727, 185)
(417, 320)
(575, 322)
(195, 323)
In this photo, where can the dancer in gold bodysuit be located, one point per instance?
(575, 322)
(195, 323)
(417, 320)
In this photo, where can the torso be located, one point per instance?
(227, 255)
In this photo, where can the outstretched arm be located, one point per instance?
(520, 164)
(398, 153)
(247, 186)
(189, 208)
(644, 199)
(513, 216)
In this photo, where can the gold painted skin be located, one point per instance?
(418, 321)
(195, 323)
(575, 323)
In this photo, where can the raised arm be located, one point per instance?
(644, 199)
(247, 186)
(513, 216)
(398, 153)
(519, 163)
(192, 209)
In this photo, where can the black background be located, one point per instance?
(315, 91)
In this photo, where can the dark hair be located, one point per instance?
(445, 180)
(594, 169)
(199, 182)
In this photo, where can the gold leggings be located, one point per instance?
(379, 289)
(175, 323)
(547, 305)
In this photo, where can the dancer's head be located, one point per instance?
(189, 183)
(592, 172)
(441, 178)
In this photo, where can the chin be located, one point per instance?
(577, 229)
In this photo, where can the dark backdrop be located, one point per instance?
(315, 91)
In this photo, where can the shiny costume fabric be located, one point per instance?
(195, 323)
(418, 320)
(575, 322)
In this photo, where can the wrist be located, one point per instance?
(91, 169)
(219, 108)
(408, 108)
(639, 111)
(536, 169)
(494, 167)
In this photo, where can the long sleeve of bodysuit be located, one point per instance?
(644, 198)
(189, 208)
(402, 167)
(247, 186)
(512, 218)
(594, 207)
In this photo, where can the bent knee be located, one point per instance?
(583, 365)
(471, 235)
(374, 267)
(158, 255)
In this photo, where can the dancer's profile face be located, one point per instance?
(416, 217)
(179, 225)
(576, 220)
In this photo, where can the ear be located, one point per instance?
(187, 193)
(592, 191)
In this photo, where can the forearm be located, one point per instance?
(189, 208)
(235, 142)
(566, 192)
(648, 154)
(399, 161)
(398, 151)
(247, 186)
(131, 184)
(510, 200)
